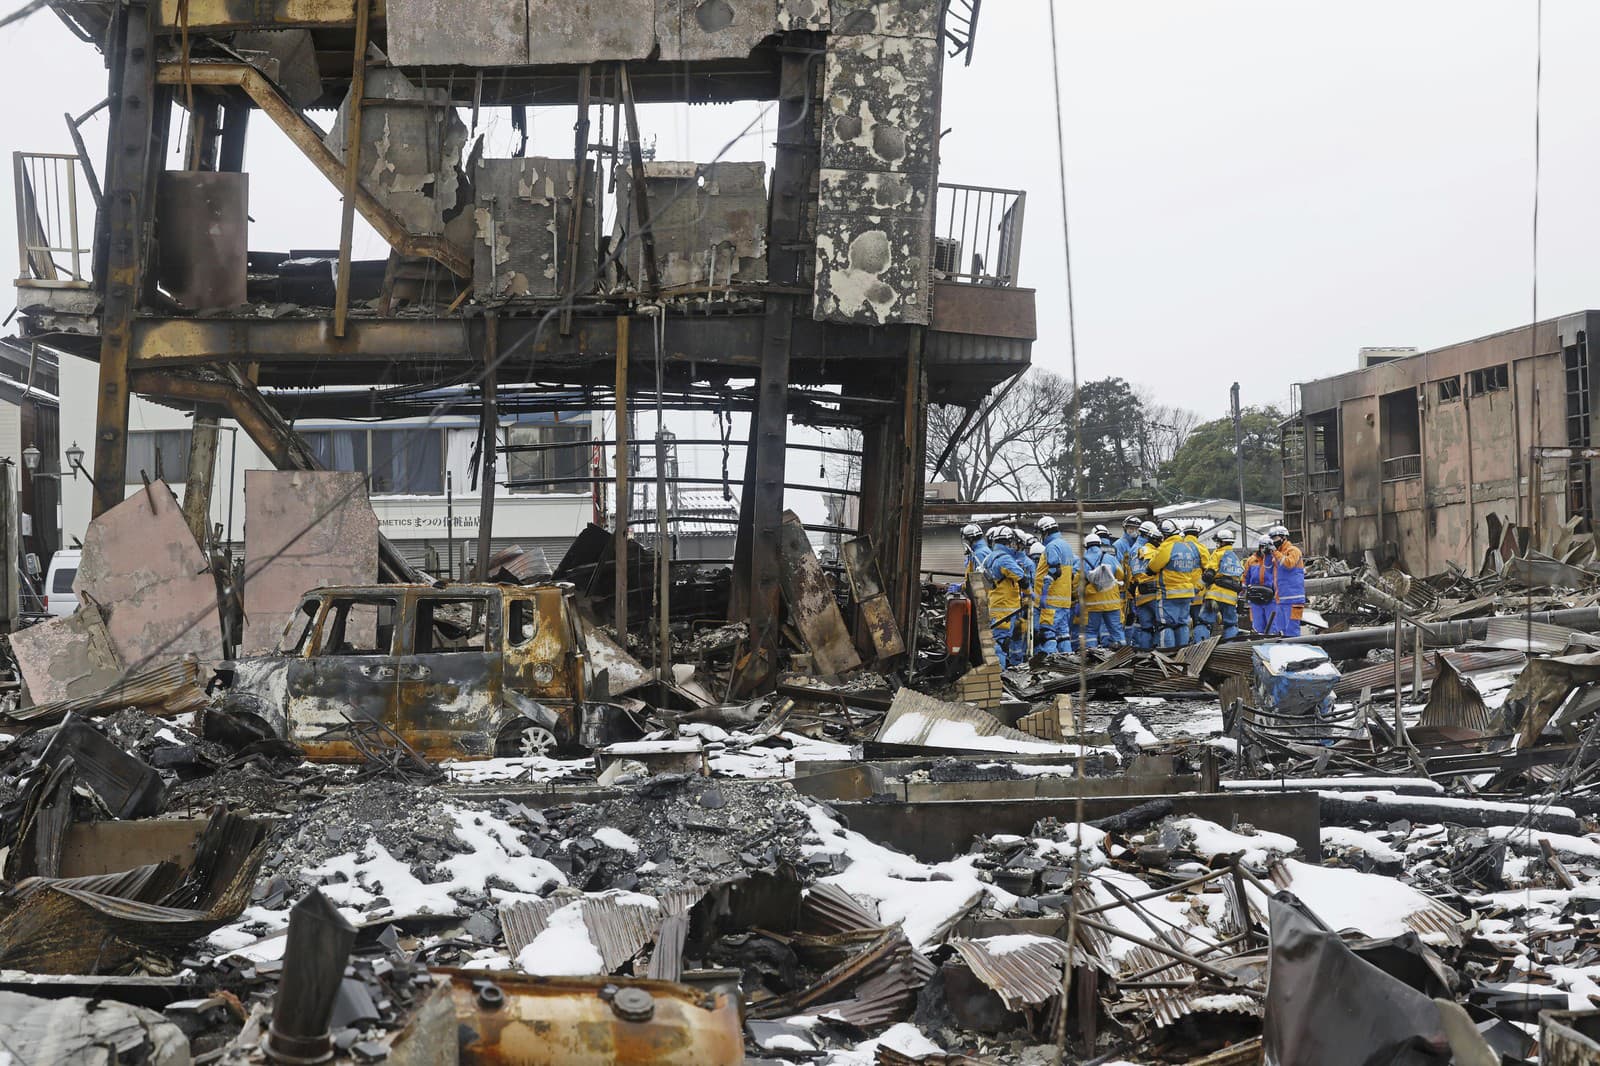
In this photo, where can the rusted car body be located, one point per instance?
(457, 671)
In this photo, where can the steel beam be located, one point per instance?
(132, 158)
(794, 162)
(308, 139)
(489, 447)
(352, 168)
(211, 15)
(621, 458)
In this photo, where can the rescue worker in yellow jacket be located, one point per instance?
(1224, 577)
(1177, 562)
(1010, 598)
(1144, 588)
(1101, 576)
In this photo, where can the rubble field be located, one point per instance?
(1221, 854)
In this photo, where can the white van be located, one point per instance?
(59, 599)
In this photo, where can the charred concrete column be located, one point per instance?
(133, 158)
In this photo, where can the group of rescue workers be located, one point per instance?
(1156, 586)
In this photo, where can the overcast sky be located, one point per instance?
(1258, 189)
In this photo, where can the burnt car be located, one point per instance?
(456, 671)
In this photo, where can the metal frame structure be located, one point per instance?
(920, 334)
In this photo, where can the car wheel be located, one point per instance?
(536, 740)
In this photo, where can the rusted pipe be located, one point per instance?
(1356, 642)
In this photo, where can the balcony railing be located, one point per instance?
(49, 250)
(977, 234)
(1325, 481)
(1402, 468)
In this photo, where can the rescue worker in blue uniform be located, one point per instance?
(1291, 581)
(1177, 563)
(1101, 577)
(1010, 595)
(1144, 588)
(1224, 577)
(1128, 543)
(1055, 585)
(977, 548)
(1262, 572)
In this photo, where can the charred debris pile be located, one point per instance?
(1218, 855)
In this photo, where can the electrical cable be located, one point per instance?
(1081, 703)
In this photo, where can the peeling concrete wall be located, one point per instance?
(480, 33)
(66, 657)
(490, 33)
(409, 151)
(144, 568)
(879, 162)
(303, 529)
(709, 220)
(522, 215)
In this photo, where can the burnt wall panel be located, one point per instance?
(887, 18)
(522, 217)
(709, 221)
(409, 149)
(879, 171)
(567, 32)
(201, 222)
(804, 15)
(713, 29)
(477, 33)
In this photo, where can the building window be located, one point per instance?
(1489, 379)
(1400, 435)
(163, 454)
(407, 461)
(1324, 454)
(1449, 390)
(540, 457)
(339, 449)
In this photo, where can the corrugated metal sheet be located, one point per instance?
(1455, 701)
(173, 688)
(829, 909)
(1167, 1006)
(1380, 676)
(619, 925)
(1435, 921)
(914, 719)
(1021, 974)
(1509, 631)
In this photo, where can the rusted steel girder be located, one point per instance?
(352, 169)
(282, 446)
(261, 14)
(756, 556)
(132, 159)
(308, 139)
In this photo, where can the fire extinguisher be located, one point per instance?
(957, 623)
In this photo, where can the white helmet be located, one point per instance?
(1148, 530)
(1046, 524)
(1264, 544)
(1278, 531)
(1133, 521)
(992, 533)
(1102, 531)
(1192, 525)
(1168, 528)
(1224, 536)
(1004, 534)
(971, 531)
(1036, 549)
(1092, 540)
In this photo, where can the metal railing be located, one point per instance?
(1325, 481)
(977, 234)
(1402, 468)
(50, 253)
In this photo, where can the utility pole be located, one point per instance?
(1238, 461)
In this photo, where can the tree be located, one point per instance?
(1115, 444)
(1203, 467)
(1008, 450)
